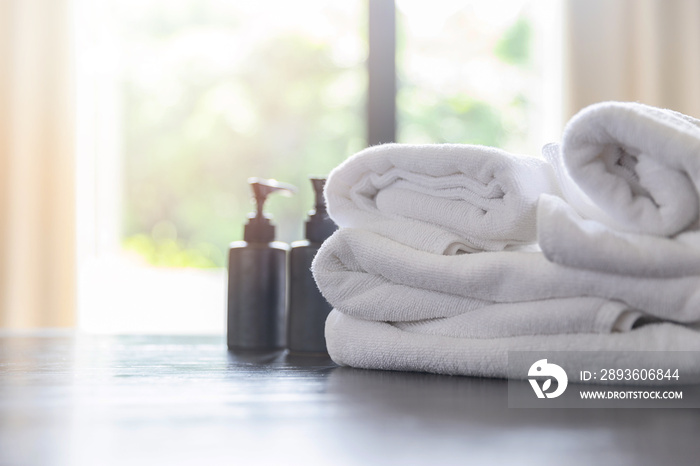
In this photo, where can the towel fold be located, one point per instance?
(366, 275)
(630, 175)
(441, 198)
(381, 345)
(545, 317)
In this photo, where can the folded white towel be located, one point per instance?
(372, 277)
(381, 345)
(630, 174)
(445, 198)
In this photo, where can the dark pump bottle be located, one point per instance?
(257, 279)
(308, 309)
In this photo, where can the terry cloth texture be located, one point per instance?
(436, 267)
(372, 277)
(370, 344)
(441, 198)
(630, 177)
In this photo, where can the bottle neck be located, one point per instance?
(259, 229)
(319, 226)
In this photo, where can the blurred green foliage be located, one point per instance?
(173, 253)
(216, 92)
(454, 119)
(515, 45)
(462, 87)
(201, 116)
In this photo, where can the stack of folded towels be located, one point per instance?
(450, 256)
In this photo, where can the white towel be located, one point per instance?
(372, 277)
(545, 317)
(445, 198)
(630, 175)
(404, 297)
(381, 345)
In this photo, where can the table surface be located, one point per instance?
(171, 400)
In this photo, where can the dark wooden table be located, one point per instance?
(82, 400)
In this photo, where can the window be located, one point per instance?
(478, 72)
(181, 101)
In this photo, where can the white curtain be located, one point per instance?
(633, 50)
(37, 214)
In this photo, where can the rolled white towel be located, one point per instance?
(630, 175)
(441, 198)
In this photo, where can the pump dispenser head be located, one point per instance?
(259, 228)
(319, 226)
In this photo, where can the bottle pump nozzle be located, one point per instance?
(318, 185)
(319, 226)
(259, 228)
